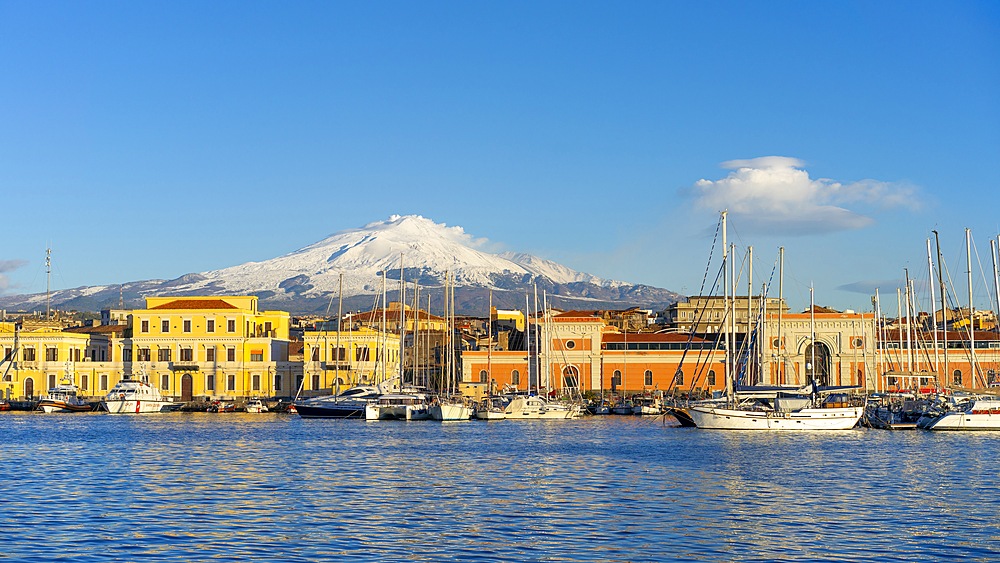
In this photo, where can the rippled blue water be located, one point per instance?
(184, 487)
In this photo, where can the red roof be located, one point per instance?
(196, 304)
(649, 337)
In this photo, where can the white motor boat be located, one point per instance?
(132, 396)
(976, 414)
(535, 407)
(256, 406)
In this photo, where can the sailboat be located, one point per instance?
(772, 408)
(447, 406)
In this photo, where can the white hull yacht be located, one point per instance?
(534, 407)
(977, 414)
(131, 396)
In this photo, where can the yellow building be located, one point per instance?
(37, 359)
(208, 347)
(351, 357)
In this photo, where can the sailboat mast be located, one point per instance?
(340, 321)
(944, 307)
(725, 304)
(812, 333)
(909, 323)
(402, 321)
(972, 308)
(489, 350)
(749, 331)
(383, 335)
(781, 301)
(538, 345)
(930, 287)
(527, 342)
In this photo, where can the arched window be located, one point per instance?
(616, 378)
(483, 376)
(515, 377)
(957, 377)
(647, 378)
(571, 377)
(711, 377)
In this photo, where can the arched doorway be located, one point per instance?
(186, 388)
(571, 377)
(29, 388)
(818, 363)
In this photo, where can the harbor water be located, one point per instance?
(274, 487)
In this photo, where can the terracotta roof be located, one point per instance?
(196, 304)
(100, 329)
(649, 337)
(575, 314)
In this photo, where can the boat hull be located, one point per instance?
(960, 421)
(713, 418)
(334, 410)
(449, 411)
(137, 407)
(62, 406)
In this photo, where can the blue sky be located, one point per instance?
(144, 140)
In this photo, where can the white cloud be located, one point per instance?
(776, 195)
(5, 267)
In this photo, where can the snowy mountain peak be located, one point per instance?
(426, 252)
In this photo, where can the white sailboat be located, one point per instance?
(773, 408)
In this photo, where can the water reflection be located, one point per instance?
(272, 487)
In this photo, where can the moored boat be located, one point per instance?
(63, 398)
(256, 406)
(535, 407)
(349, 404)
(132, 396)
(974, 414)
(491, 408)
(398, 406)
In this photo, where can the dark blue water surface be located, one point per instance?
(237, 487)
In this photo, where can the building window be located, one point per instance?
(647, 378)
(165, 326)
(210, 325)
(570, 344)
(483, 376)
(267, 328)
(52, 355)
(256, 355)
(616, 378)
(231, 382)
(52, 380)
(255, 381)
(515, 377)
(144, 326)
(163, 355)
(210, 354)
(711, 377)
(315, 383)
(315, 354)
(571, 377)
(339, 354)
(104, 382)
(187, 325)
(76, 354)
(679, 378)
(362, 355)
(231, 325)
(230, 354)
(29, 354)
(210, 383)
(84, 382)
(957, 377)
(165, 382)
(143, 354)
(277, 382)
(187, 355)
(127, 355)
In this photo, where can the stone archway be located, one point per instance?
(820, 370)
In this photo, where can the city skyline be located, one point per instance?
(151, 141)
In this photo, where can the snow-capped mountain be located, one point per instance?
(305, 280)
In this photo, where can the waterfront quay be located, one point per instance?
(200, 350)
